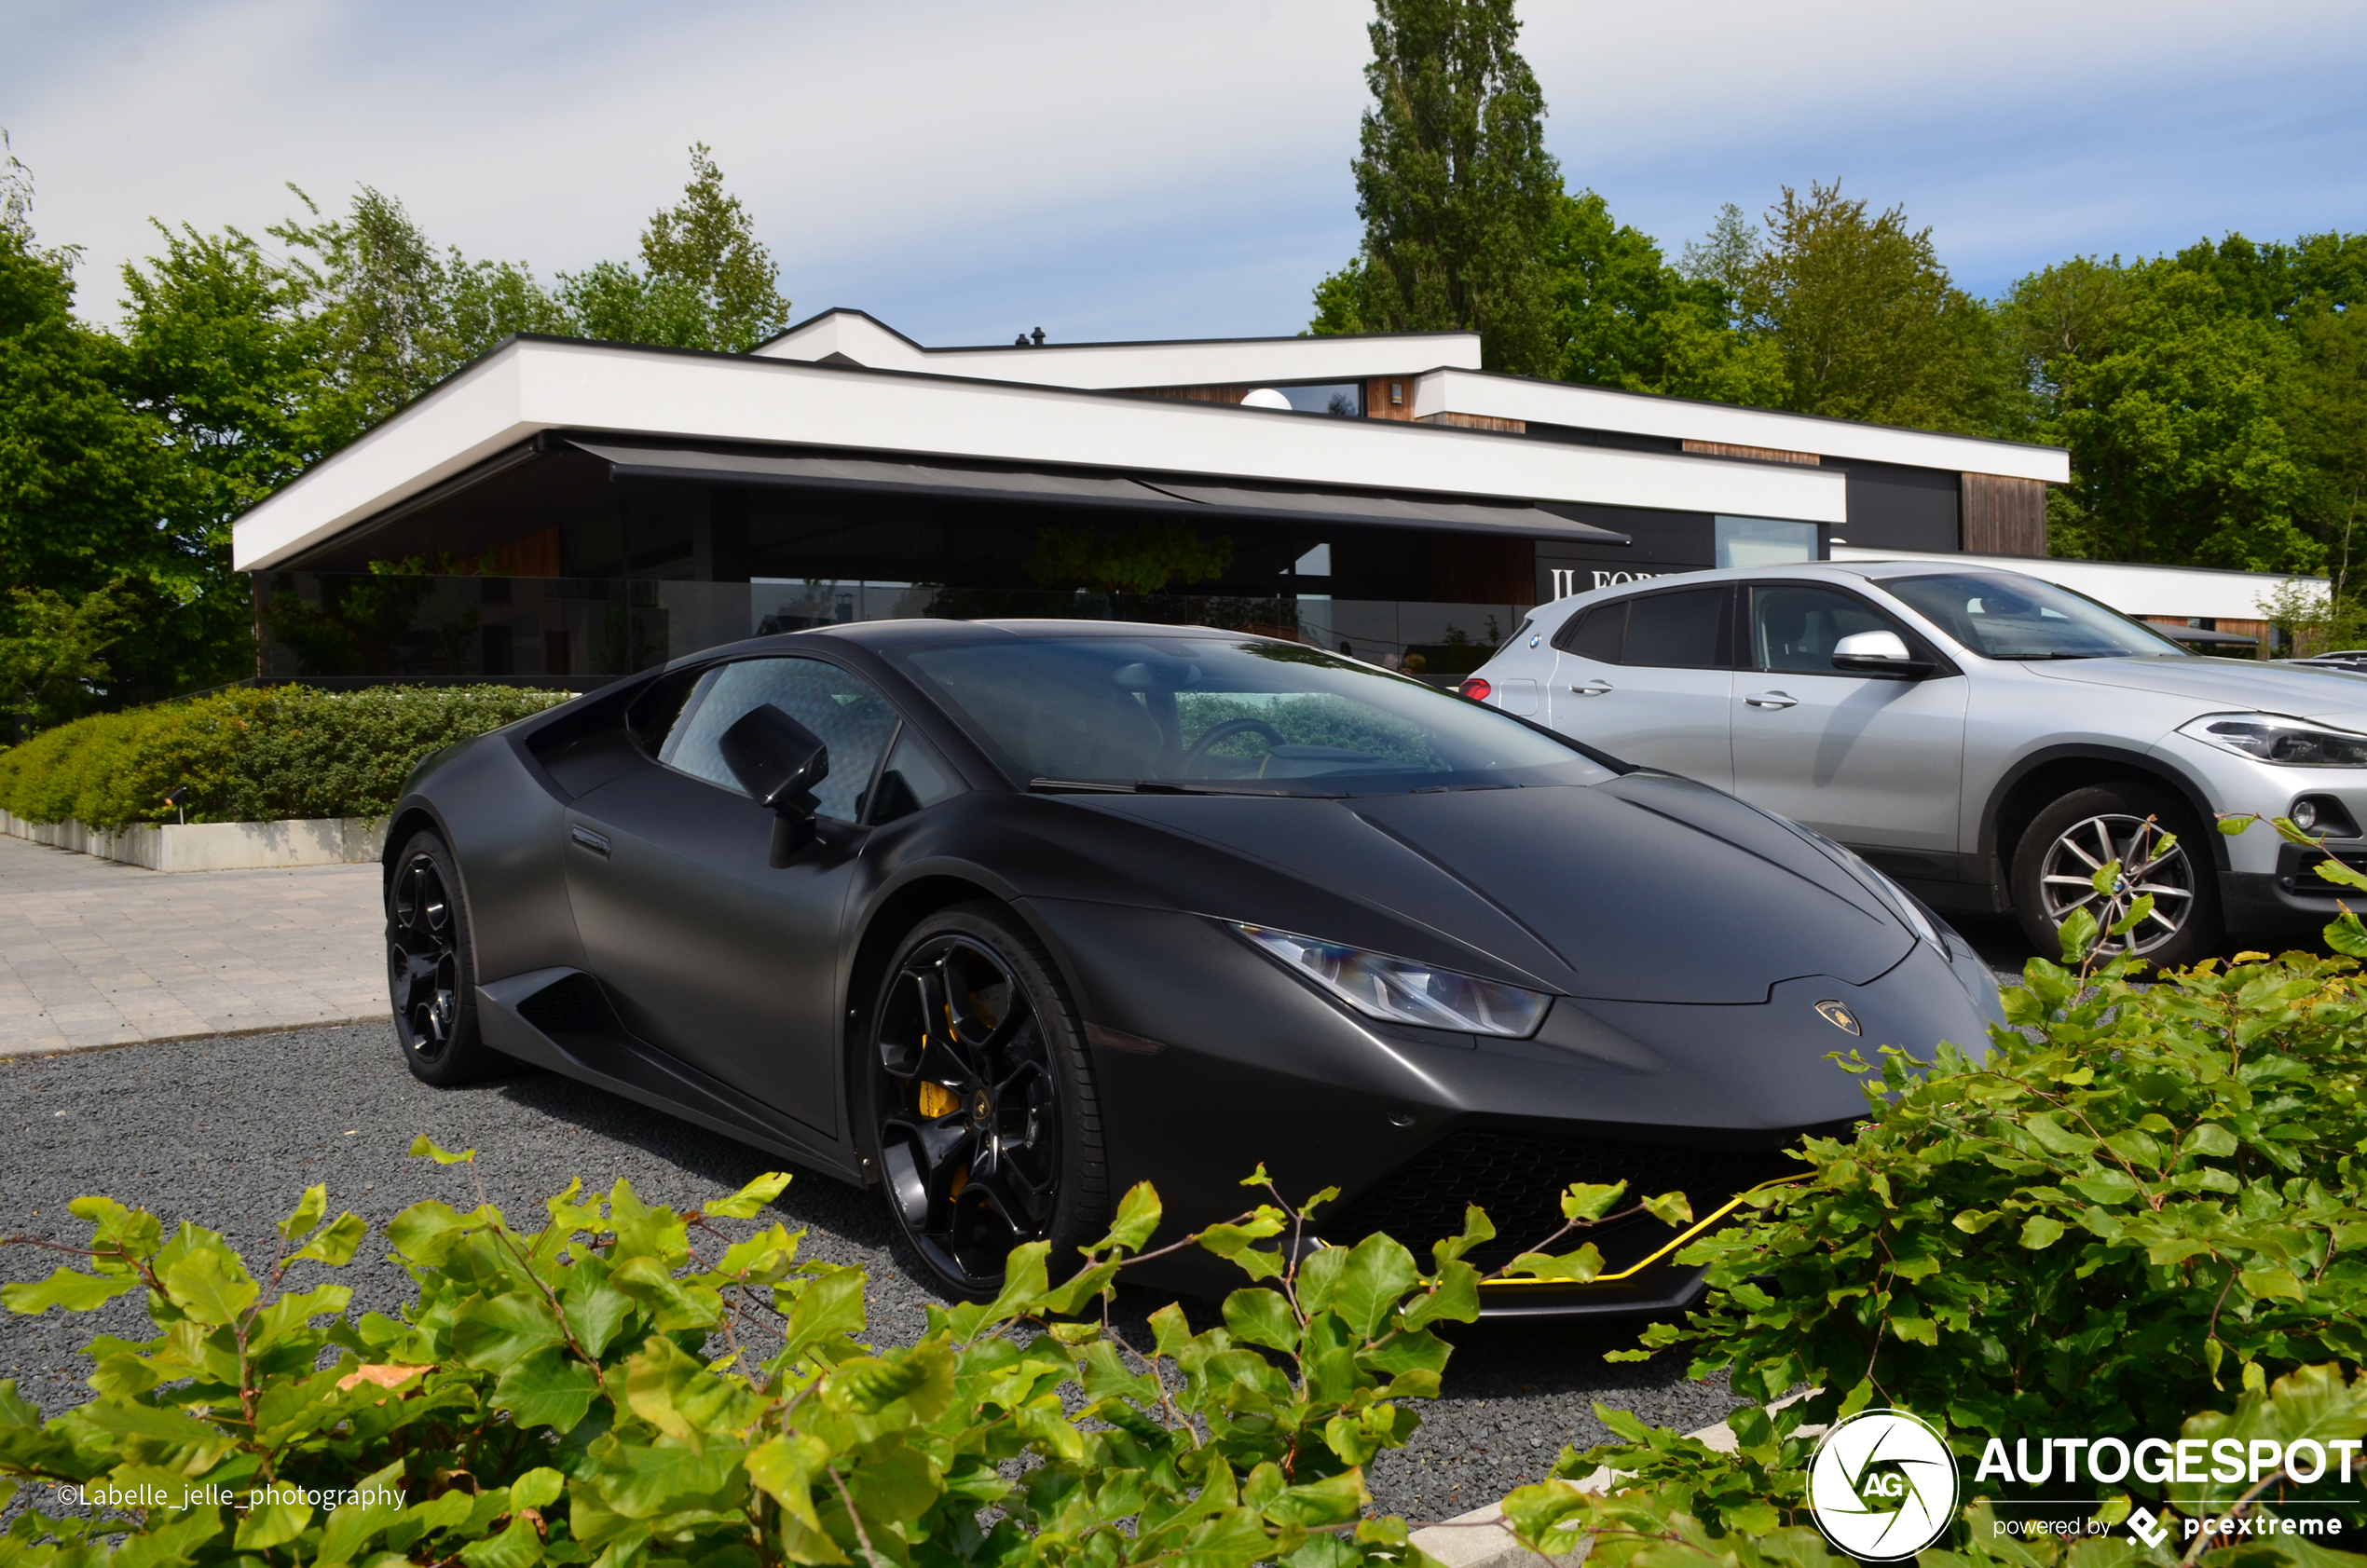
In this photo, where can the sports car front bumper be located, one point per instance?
(1209, 1059)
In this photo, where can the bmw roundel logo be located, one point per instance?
(1883, 1485)
(1839, 1017)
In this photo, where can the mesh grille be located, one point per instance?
(1519, 1181)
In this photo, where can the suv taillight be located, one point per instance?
(1475, 688)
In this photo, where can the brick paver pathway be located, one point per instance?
(93, 953)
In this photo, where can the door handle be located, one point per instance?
(1592, 689)
(1773, 700)
(597, 842)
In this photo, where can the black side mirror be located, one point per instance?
(1880, 653)
(778, 761)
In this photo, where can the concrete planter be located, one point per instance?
(214, 846)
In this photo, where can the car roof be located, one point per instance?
(921, 632)
(1790, 571)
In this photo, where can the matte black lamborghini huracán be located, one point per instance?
(1004, 918)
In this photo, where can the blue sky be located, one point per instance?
(967, 172)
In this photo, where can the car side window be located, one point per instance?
(914, 779)
(1793, 626)
(1690, 630)
(843, 712)
(1597, 633)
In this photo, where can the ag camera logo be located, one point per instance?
(1883, 1485)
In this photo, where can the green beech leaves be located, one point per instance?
(549, 1397)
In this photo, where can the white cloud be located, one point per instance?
(967, 172)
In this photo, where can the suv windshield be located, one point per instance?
(2023, 617)
(1235, 715)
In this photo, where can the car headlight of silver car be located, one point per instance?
(1401, 991)
(2291, 743)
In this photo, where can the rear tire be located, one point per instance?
(2065, 843)
(978, 1104)
(431, 968)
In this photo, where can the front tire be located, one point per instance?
(431, 968)
(2071, 838)
(980, 1106)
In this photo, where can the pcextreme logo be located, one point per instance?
(1883, 1485)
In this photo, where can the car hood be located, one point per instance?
(1645, 888)
(2229, 684)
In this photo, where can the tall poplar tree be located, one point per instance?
(1453, 180)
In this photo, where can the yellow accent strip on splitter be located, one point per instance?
(1682, 1237)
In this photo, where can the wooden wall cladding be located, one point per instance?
(1764, 454)
(535, 556)
(1198, 395)
(2005, 516)
(1377, 393)
(1477, 422)
(1482, 570)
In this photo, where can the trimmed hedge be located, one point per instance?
(260, 755)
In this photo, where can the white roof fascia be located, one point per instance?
(1108, 366)
(850, 334)
(530, 386)
(1602, 408)
(2130, 587)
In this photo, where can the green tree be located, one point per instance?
(1454, 182)
(1147, 560)
(2173, 421)
(1624, 317)
(707, 243)
(1339, 303)
(2327, 412)
(53, 663)
(706, 280)
(1867, 321)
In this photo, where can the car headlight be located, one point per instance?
(1402, 992)
(2291, 743)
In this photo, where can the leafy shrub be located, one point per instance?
(2145, 1203)
(251, 754)
(547, 1397)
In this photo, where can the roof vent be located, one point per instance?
(1266, 397)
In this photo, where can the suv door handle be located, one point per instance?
(1773, 700)
(1592, 689)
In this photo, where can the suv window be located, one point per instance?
(841, 710)
(1793, 626)
(1597, 633)
(1686, 630)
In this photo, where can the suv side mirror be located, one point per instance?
(778, 761)
(1880, 653)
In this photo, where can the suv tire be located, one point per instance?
(2078, 832)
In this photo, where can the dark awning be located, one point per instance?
(1193, 498)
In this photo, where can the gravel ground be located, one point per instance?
(229, 1132)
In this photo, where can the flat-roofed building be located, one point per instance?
(574, 511)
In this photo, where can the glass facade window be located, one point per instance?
(1342, 400)
(1764, 542)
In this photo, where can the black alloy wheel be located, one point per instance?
(2077, 835)
(983, 1113)
(430, 972)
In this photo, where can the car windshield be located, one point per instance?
(2003, 617)
(1230, 713)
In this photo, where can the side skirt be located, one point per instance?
(561, 1019)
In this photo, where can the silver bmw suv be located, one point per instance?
(1988, 739)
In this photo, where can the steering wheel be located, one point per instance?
(1230, 726)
